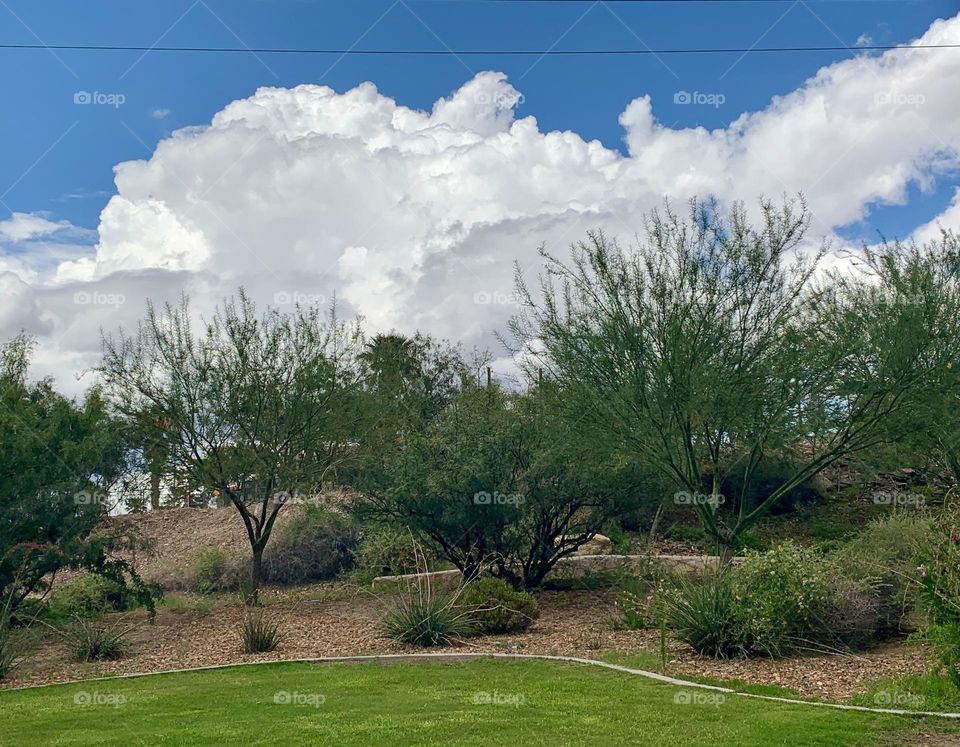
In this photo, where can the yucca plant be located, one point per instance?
(8, 653)
(259, 632)
(425, 616)
(703, 612)
(91, 640)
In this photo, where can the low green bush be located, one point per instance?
(782, 593)
(89, 595)
(384, 552)
(212, 569)
(496, 607)
(180, 605)
(313, 546)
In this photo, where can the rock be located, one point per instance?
(599, 545)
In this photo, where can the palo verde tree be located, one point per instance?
(711, 346)
(251, 405)
(904, 306)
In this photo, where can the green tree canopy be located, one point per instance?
(711, 345)
(59, 461)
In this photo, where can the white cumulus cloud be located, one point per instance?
(414, 218)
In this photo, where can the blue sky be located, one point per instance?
(411, 202)
(59, 157)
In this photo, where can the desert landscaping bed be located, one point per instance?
(338, 621)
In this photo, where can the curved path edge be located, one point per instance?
(666, 679)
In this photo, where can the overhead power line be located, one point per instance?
(472, 52)
(582, 2)
(532, 2)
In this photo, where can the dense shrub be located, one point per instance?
(89, 640)
(259, 633)
(385, 552)
(90, 595)
(786, 599)
(940, 584)
(781, 593)
(884, 557)
(313, 546)
(853, 615)
(499, 483)
(212, 569)
(495, 607)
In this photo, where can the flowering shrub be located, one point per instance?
(782, 593)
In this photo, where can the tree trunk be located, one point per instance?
(155, 489)
(724, 554)
(256, 568)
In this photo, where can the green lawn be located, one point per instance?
(429, 703)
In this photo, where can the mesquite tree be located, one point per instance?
(497, 483)
(251, 406)
(711, 346)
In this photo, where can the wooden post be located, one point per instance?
(489, 377)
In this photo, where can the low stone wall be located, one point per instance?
(579, 565)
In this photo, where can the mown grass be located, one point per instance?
(443, 703)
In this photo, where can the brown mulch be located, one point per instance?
(349, 622)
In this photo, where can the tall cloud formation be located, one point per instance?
(413, 219)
